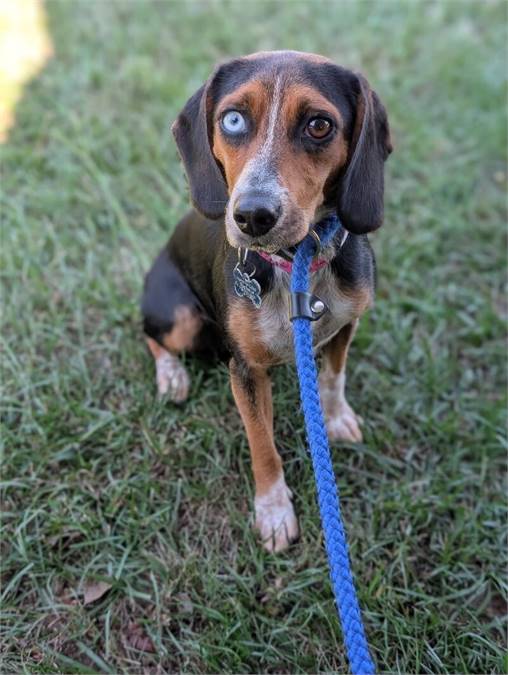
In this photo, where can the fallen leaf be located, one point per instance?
(94, 590)
(138, 639)
(498, 606)
(36, 655)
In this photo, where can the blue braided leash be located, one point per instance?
(328, 497)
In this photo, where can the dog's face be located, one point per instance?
(277, 139)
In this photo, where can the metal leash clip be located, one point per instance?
(306, 306)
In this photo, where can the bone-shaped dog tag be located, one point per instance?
(247, 287)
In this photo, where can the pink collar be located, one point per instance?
(287, 266)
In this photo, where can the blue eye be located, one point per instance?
(234, 123)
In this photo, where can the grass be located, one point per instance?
(101, 482)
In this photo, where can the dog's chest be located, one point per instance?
(273, 326)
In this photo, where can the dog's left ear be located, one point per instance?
(192, 135)
(361, 190)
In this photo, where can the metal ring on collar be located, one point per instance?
(242, 261)
(316, 238)
(245, 254)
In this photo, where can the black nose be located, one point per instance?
(255, 215)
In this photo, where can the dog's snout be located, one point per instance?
(255, 215)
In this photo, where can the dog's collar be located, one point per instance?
(284, 259)
(247, 286)
(287, 265)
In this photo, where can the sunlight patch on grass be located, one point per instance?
(25, 47)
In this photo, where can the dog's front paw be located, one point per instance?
(276, 521)
(172, 378)
(344, 425)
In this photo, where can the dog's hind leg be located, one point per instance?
(172, 321)
(170, 375)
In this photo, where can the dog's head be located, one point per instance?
(278, 139)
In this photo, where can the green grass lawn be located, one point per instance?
(102, 482)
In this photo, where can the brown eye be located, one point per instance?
(319, 127)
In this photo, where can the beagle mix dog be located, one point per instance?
(271, 144)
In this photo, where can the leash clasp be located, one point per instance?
(306, 306)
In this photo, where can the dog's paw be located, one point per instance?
(344, 425)
(276, 521)
(172, 378)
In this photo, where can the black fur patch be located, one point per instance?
(241, 371)
(354, 263)
(165, 289)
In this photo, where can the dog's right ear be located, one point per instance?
(192, 134)
(361, 194)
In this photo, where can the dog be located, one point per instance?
(271, 144)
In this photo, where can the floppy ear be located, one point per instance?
(361, 190)
(193, 137)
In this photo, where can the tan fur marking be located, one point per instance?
(187, 324)
(305, 175)
(361, 298)
(336, 349)
(257, 418)
(155, 348)
(254, 96)
(242, 327)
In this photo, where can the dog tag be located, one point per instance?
(247, 287)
